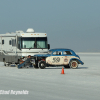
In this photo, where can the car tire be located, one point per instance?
(66, 66)
(42, 64)
(73, 64)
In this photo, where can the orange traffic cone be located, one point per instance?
(62, 72)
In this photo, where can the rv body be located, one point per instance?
(19, 45)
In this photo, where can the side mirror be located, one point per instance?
(48, 46)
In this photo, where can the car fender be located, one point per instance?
(80, 62)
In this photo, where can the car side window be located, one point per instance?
(67, 53)
(57, 53)
(54, 53)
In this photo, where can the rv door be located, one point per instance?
(14, 44)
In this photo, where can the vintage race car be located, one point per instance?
(58, 57)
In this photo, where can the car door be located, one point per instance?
(57, 58)
(67, 57)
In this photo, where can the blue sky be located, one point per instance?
(73, 24)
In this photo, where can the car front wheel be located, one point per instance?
(42, 64)
(73, 64)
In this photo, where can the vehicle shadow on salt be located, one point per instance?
(54, 67)
(65, 68)
(82, 68)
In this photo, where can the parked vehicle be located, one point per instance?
(15, 47)
(60, 57)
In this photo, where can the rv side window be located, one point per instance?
(10, 42)
(2, 41)
(13, 42)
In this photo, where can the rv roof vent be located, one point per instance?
(30, 30)
(20, 31)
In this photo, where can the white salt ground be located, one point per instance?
(49, 84)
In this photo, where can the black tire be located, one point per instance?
(7, 64)
(66, 66)
(73, 64)
(42, 64)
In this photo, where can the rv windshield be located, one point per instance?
(41, 42)
(31, 43)
(28, 42)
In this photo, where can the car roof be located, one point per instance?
(61, 49)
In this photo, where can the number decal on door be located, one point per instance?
(56, 59)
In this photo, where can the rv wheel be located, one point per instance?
(7, 65)
(42, 64)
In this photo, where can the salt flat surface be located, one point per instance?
(49, 84)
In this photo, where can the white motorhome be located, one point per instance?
(19, 45)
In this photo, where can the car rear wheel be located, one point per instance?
(73, 64)
(42, 64)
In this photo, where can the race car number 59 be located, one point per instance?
(56, 59)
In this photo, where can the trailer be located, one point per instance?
(15, 48)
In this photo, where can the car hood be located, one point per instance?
(42, 55)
